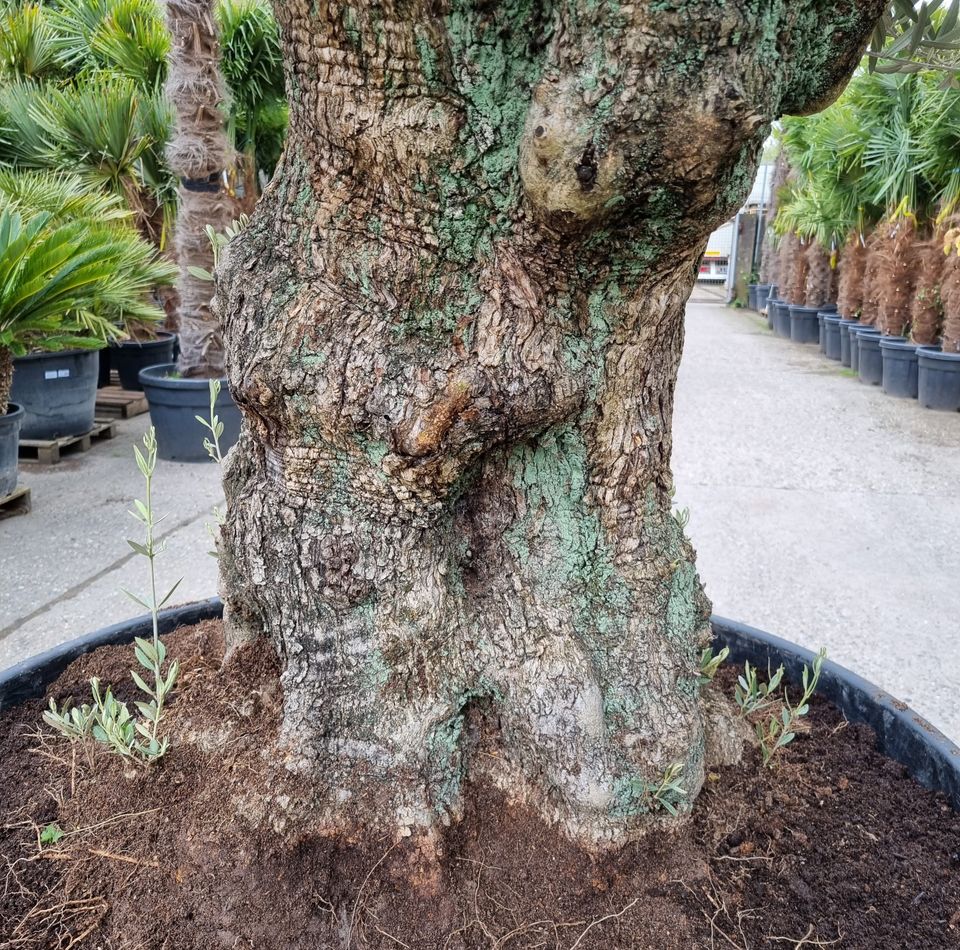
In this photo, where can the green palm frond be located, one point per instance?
(71, 265)
(28, 47)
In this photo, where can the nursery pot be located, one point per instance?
(129, 357)
(752, 296)
(772, 303)
(781, 319)
(804, 326)
(58, 392)
(870, 366)
(938, 378)
(902, 735)
(103, 367)
(900, 367)
(763, 292)
(9, 440)
(174, 405)
(846, 328)
(831, 336)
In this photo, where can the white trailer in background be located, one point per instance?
(716, 258)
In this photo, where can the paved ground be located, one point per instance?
(821, 509)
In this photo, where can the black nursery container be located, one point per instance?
(9, 441)
(781, 319)
(846, 328)
(804, 326)
(763, 294)
(900, 367)
(175, 404)
(752, 296)
(831, 336)
(129, 357)
(870, 368)
(58, 392)
(938, 379)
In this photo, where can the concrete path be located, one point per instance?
(821, 509)
(62, 565)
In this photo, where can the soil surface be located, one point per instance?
(213, 847)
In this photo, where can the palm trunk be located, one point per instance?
(950, 289)
(853, 263)
(897, 276)
(872, 274)
(453, 326)
(926, 312)
(820, 285)
(6, 378)
(770, 259)
(199, 154)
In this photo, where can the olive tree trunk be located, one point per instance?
(453, 326)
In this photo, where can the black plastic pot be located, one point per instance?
(752, 296)
(827, 310)
(9, 440)
(870, 366)
(845, 327)
(772, 303)
(58, 392)
(929, 756)
(900, 367)
(129, 357)
(174, 406)
(938, 379)
(854, 337)
(103, 367)
(831, 336)
(763, 292)
(781, 319)
(804, 326)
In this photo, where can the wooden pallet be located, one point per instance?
(16, 504)
(49, 452)
(120, 403)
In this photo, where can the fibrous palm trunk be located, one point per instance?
(853, 263)
(820, 284)
(950, 288)
(199, 154)
(770, 259)
(926, 309)
(873, 273)
(897, 276)
(6, 378)
(453, 326)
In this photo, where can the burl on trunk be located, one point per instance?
(453, 327)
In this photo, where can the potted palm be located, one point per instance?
(201, 155)
(73, 268)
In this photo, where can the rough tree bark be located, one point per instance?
(199, 154)
(770, 259)
(453, 326)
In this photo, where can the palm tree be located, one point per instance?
(201, 156)
(75, 270)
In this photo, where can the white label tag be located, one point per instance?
(50, 374)
(63, 373)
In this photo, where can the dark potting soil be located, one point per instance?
(837, 847)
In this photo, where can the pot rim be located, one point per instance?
(156, 376)
(897, 344)
(929, 353)
(930, 757)
(56, 354)
(163, 338)
(14, 411)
